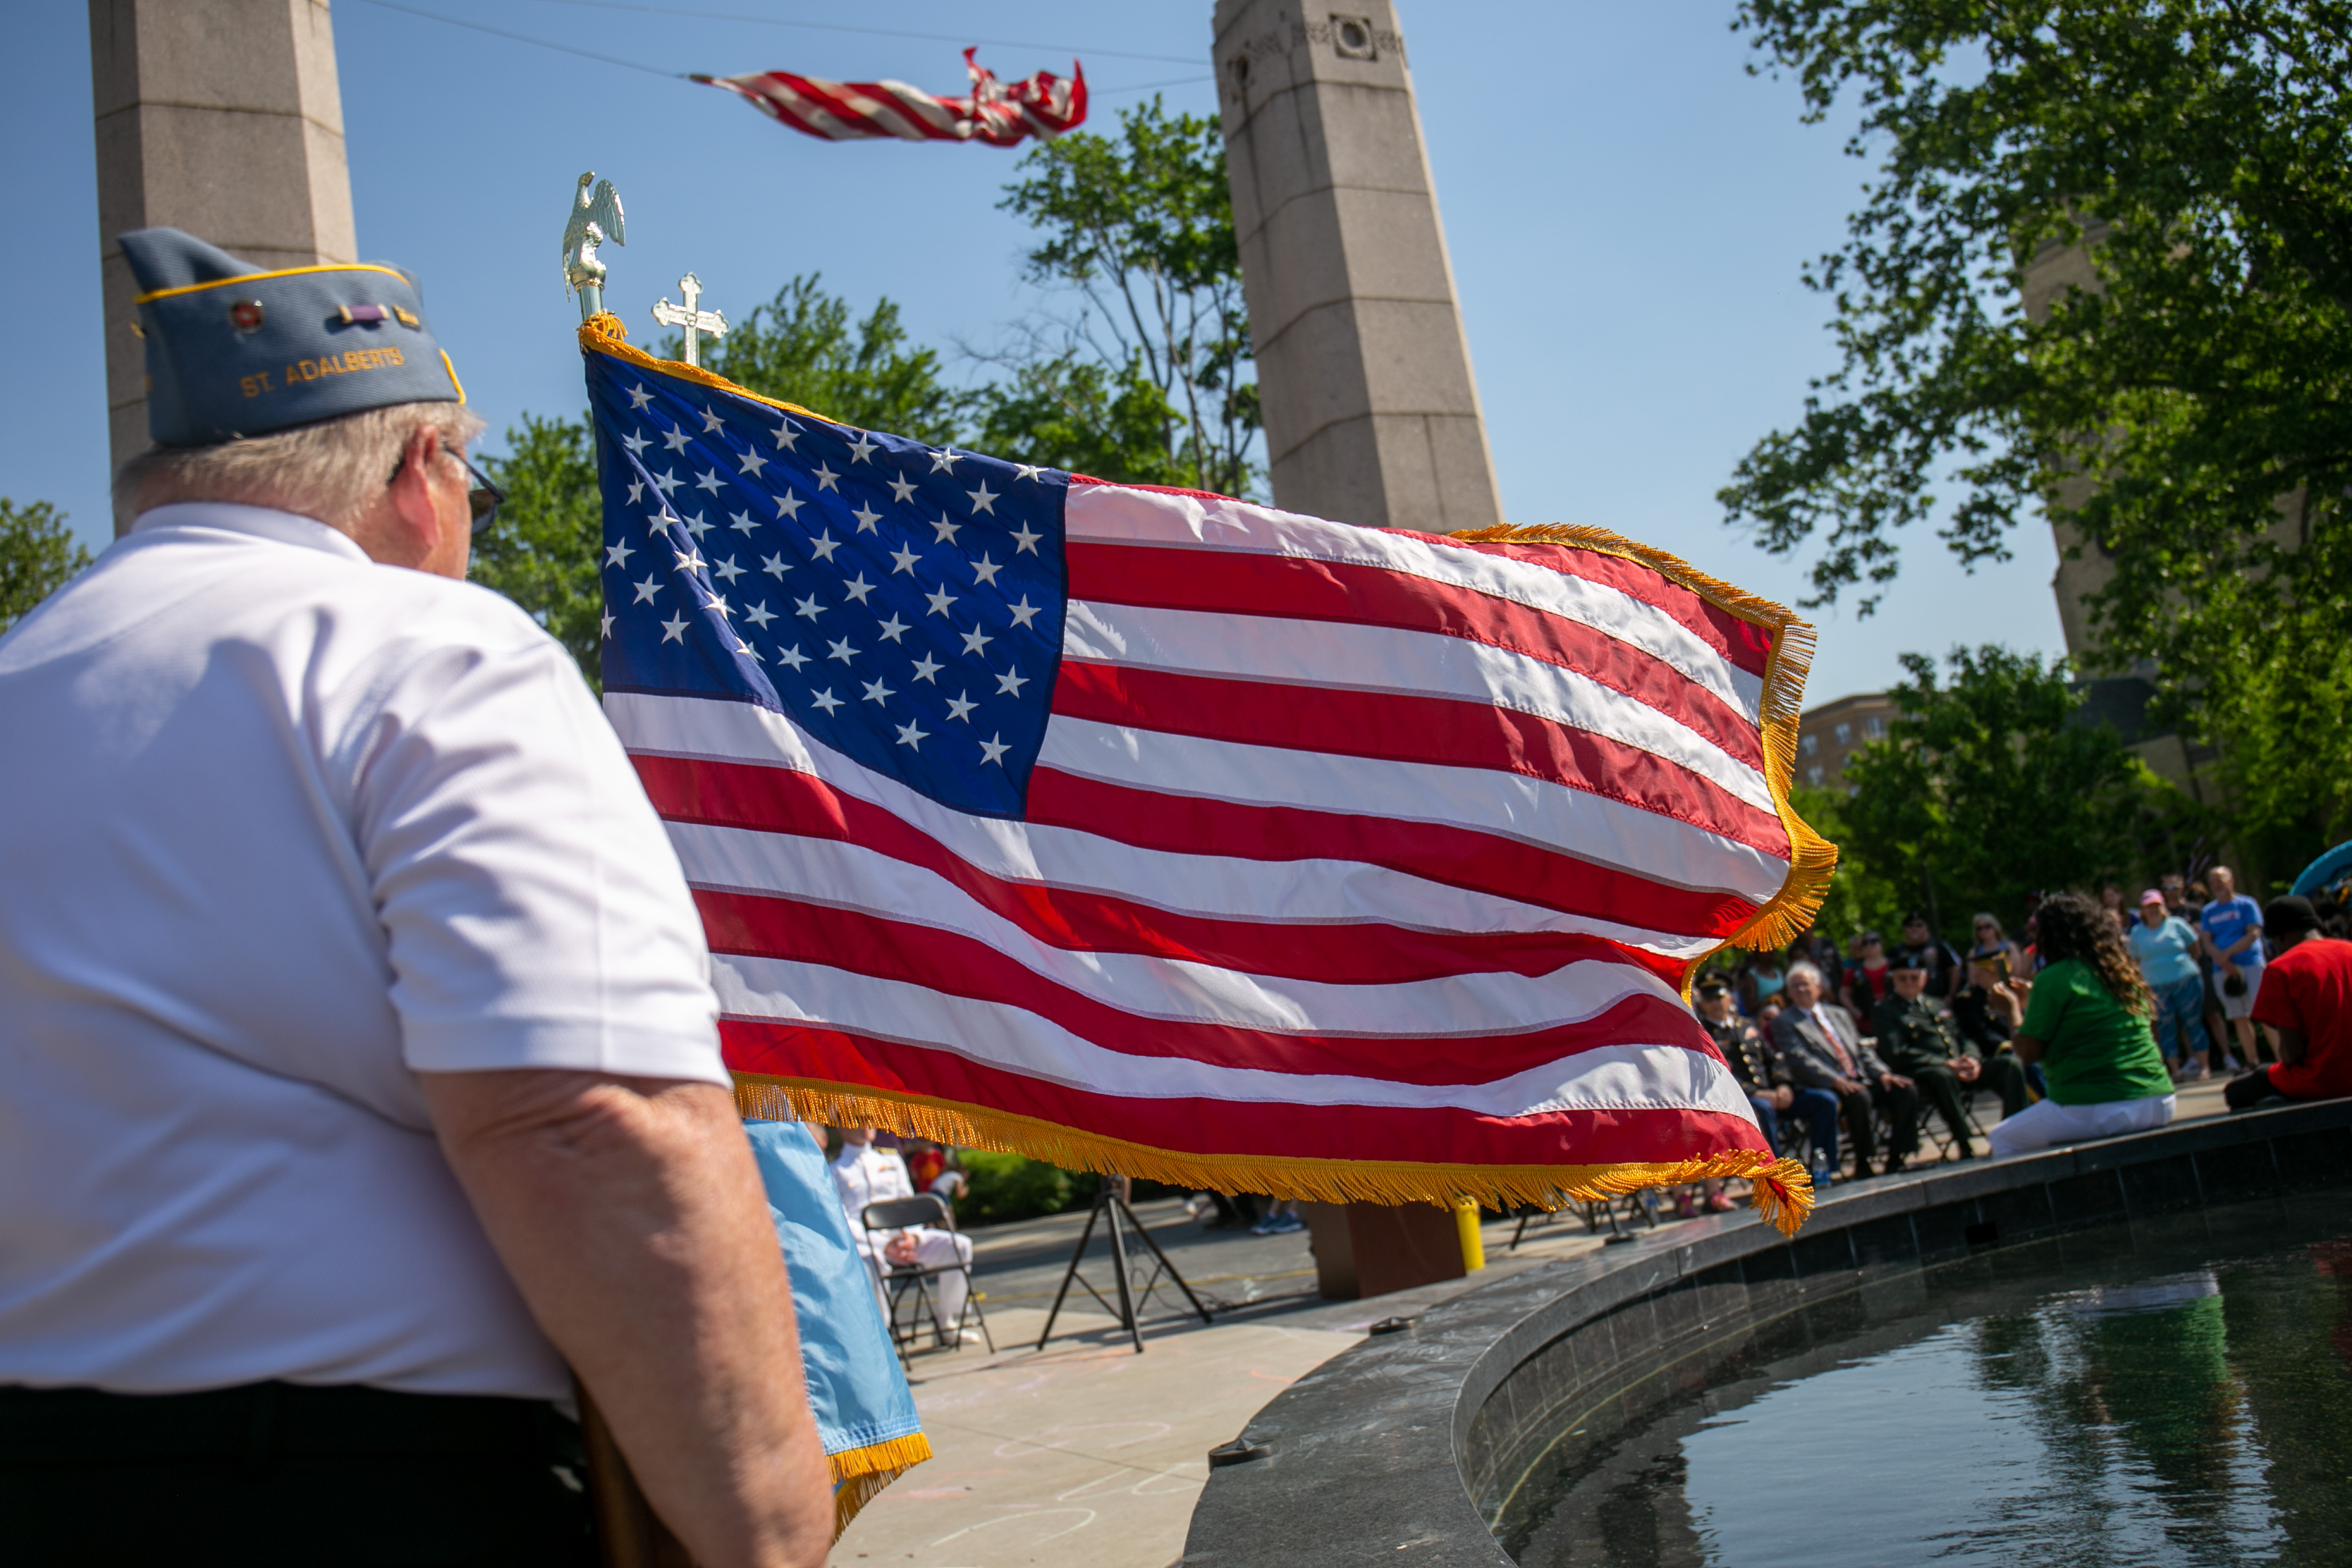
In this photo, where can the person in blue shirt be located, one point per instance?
(2233, 937)
(2165, 947)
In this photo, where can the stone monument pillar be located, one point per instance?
(1371, 413)
(223, 118)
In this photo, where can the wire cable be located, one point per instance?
(683, 75)
(873, 32)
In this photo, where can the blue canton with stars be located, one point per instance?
(902, 604)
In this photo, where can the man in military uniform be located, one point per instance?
(359, 1085)
(1917, 1041)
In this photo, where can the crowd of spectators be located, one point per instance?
(2081, 1021)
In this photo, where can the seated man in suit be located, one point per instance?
(1770, 1092)
(1918, 1041)
(1823, 1049)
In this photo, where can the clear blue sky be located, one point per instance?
(1628, 213)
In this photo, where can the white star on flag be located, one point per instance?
(674, 630)
(618, 554)
(993, 751)
(911, 735)
(639, 398)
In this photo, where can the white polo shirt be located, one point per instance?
(280, 828)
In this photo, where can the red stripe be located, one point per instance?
(1441, 1136)
(1742, 641)
(1337, 952)
(1456, 857)
(1429, 730)
(1294, 588)
(958, 965)
(784, 800)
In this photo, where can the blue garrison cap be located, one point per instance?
(233, 350)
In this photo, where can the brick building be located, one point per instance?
(1829, 734)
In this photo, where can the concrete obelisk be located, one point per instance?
(1371, 413)
(223, 118)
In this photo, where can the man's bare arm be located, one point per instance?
(630, 1213)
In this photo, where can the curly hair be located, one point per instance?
(2072, 926)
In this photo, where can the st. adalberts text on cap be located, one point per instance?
(234, 349)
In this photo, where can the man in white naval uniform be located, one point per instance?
(865, 1174)
(358, 1060)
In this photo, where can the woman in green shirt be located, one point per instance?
(2084, 1018)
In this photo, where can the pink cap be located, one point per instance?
(2150, 897)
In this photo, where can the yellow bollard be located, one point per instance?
(1474, 1246)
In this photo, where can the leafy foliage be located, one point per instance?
(1008, 1187)
(1140, 226)
(1985, 790)
(543, 551)
(38, 557)
(801, 347)
(2197, 149)
(1861, 896)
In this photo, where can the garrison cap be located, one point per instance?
(233, 350)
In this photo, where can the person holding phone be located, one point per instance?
(2085, 1020)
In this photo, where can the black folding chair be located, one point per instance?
(910, 1284)
(1931, 1133)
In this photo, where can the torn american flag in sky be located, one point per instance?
(1164, 833)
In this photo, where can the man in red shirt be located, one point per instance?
(2306, 1000)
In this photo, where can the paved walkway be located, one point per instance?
(1087, 1454)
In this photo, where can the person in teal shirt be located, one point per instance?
(2165, 946)
(2084, 1018)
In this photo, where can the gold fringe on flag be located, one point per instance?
(603, 333)
(1783, 1189)
(1811, 859)
(860, 1474)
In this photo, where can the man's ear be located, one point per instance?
(412, 491)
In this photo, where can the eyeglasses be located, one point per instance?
(483, 500)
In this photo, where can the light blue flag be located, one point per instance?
(865, 1411)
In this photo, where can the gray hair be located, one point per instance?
(331, 470)
(1804, 967)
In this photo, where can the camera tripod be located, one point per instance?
(1110, 1206)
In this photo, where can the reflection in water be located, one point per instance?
(2195, 1414)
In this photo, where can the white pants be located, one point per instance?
(2046, 1124)
(934, 1248)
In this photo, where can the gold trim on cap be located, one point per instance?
(286, 272)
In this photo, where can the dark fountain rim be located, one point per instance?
(1365, 1455)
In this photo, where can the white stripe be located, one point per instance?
(1356, 657)
(1197, 884)
(847, 876)
(1489, 800)
(1608, 1077)
(1113, 514)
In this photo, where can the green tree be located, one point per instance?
(1140, 226)
(1986, 788)
(1861, 897)
(1069, 412)
(2197, 150)
(544, 549)
(37, 556)
(801, 347)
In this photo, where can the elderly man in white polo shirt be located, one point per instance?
(358, 1065)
